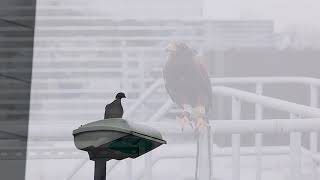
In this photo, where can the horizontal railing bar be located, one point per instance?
(302, 80)
(180, 152)
(71, 27)
(65, 70)
(267, 126)
(113, 18)
(281, 126)
(94, 38)
(270, 102)
(188, 152)
(92, 49)
(277, 80)
(314, 156)
(266, 80)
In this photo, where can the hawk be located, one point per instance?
(188, 84)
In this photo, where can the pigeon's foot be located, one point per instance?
(184, 119)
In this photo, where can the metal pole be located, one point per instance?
(236, 113)
(313, 135)
(258, 136)
(204, 154)
(295, 153)
(100, 169)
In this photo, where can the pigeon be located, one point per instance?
(114, 109)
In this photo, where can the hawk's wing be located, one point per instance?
(169, 83)
(203, 81)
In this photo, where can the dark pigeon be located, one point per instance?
(114, 109)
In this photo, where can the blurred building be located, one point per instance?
(240, 34)
(131, 9)
(86, 50)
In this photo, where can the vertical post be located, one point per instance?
(258, 136)
(210, 150)
(313, 96)
(314, 150)
(236, 113)
(100, 169)
(148, 166)
(313, 135)
(129, 169)
(295, 153)
(204, 154)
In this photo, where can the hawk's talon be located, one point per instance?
(184, 119)
(201, 123)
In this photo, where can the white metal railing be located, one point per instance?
(260, 101)
(271, 126)
(259, 83)
(295, 138)
(263, 101)
(294, 127)
(267, 101)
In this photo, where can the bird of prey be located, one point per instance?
(187, 83)
(114, 109)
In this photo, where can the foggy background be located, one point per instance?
(86, 51)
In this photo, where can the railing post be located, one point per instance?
(204, 154)
(258, 136)
(313, 135)
(295, 153)
(148, 166)
(314, 150)
(236, 115)
(313, 96)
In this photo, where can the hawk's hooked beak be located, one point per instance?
(171, 47)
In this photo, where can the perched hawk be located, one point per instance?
(114, 109)
(187, 83)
